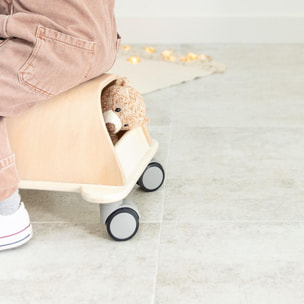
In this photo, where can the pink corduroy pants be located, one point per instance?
(46, 48)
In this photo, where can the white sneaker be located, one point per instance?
(15, 229)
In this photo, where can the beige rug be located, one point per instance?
(154, 73)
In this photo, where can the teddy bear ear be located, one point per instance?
(122, 81)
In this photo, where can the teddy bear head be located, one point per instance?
(123, 107)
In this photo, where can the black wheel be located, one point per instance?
(152, 178)
(122, 224)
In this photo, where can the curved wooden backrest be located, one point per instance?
(65, 139)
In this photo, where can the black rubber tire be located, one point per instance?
(120, 212)
(142, 182)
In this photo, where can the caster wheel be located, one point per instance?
(122, 224)
(152, 178)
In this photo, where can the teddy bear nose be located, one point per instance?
(117, 109)
(110, 127)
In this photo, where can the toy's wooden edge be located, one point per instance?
(100, 194)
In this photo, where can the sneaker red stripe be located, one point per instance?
(2, 237)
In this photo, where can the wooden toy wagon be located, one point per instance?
(63, 145)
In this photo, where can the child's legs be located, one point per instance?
(44, 56)
(8, 173)
(49, 51)
(13, 99)
(15, 228)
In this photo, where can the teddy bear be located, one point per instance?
(123, 109)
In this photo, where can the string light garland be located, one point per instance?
(136, 55)
(126, 47)
(134, 59)
(192, 56)
(150, 49)
(167, 54)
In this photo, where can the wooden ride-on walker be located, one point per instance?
(63, 145)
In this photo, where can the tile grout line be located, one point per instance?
(162, 211)
(224, 221)
(179, 222)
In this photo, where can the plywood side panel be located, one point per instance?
(65, 140)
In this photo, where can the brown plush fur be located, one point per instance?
(132, 113)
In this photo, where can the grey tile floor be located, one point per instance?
(227, 226)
